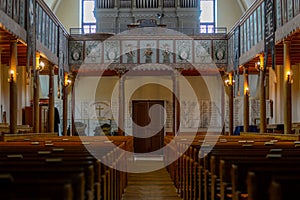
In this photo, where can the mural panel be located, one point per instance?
(184, 51)
(166, 51)
(148, 51)
(112, 51)
(129, 51)
(220, 51)
(76, 50)
(203, 51)
(93, 52)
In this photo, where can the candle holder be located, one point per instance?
(11, 76)
(289, 77)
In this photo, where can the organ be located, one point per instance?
(116, 15)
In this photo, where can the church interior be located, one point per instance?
(149, 99)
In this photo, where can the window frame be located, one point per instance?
(83, 23)
(207, 25)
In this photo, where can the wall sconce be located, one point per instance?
(289, 77)
(41, 66)
(247, 92)
(11, 75)
(68, 80)
(258, 66)
(228, 82)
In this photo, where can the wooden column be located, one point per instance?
(262, 98)
(36, 95)
(65, 106)
(246, 100)
(223, 110)
(51, 100)
(72, 91)
(13, 87)
(1, 84)
(231, 99)
(287, 96)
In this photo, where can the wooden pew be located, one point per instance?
(207, 168)
(68, 151)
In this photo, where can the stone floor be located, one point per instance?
(154, 185)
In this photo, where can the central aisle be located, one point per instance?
(154, 185)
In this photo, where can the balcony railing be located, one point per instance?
(187, 31)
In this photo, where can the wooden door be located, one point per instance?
(152, 137)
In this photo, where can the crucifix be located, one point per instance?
(98, 107)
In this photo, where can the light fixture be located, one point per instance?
(246, 91)
(289, 77)
(11, 75)
(258, 66)
(68, 80)
(41, 66)
(229, 81)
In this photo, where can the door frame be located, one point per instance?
(160, 102)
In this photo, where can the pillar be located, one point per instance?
(246, 99)
(121, 70)
(262, 98)
(121, 116)
(13, 87)
(223, 112)
(51, 100)
(287, 96)
(176, 101)
(65, 105)
(1, 84)
(36, 94)
(231, 110)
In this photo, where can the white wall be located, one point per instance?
(106, 89)
(229, 12)
(21, 91)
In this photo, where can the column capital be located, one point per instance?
(37, 55)
(287, 41)
(13, 40)
(121, 69)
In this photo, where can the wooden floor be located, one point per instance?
(154, 185)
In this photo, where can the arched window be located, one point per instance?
(88, 18)
(208, 16)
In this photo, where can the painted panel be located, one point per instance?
(148, 51)
(255, 27)
(93, 52)
(76, 52)
(129, 51)
(22, 13)
(278, 13)
(290, 9)
(184, 51)
(203, 51)
(166, 51)
(112, 51)
(296, 7)
(220, 51)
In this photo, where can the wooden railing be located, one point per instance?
(246, 38)
(51, 35)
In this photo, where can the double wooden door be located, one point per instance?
(148, 132)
